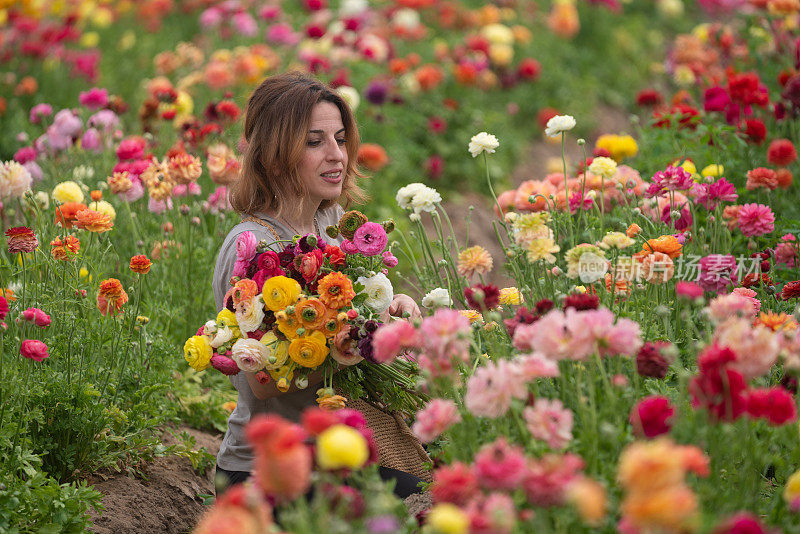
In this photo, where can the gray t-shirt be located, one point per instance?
(235, 453)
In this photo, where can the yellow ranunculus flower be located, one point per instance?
(105, 208)
(279, 292)
(277, 349)
(688, 166)
(510, 296)
(471, 315)
(342, 446)
(90, 39)
(498, 34)
(501, 54)
(791, 492)
(184, 103)
(68, 191)
(197, 351)
(227, 318)
(287, 324)
(446, 518)
(309, 350)
(283, 376)
(713, 171)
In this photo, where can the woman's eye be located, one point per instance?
(341, 141)
(312, 143)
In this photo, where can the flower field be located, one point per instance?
(618, 351)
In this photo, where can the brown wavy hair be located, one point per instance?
(276, 125)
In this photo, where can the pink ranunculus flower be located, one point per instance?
(91, 141)
(370, 239)
(493, 386)
(246, 246)
(500, 466)
(732, 305)
(157, 206)
(34, 349)
(548, 478)
(348, 247)
(689, 290)
(244, 23)
(391, 339)
(437, 416)
(756, 347)
(548, 421)
(36, 316)
(389, 259)
(537, 365)
(756, 219)
(495, 514)
(67, 124)
(40, 111)
(750, 295)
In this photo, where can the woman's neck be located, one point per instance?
(299, 217)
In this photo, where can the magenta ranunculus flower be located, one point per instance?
(3, 307)
(36, 316)
(224, 365)
(437, 416)
(756, 219)
(39, 111)
(34, 350)
(389, 259)
(651, 416)
(94, 98)
(689, 290)
(348, 247)
(717, 272)
(370, 239)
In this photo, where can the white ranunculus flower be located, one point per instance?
(483, 142)
(379, 292)
(437, 298)
(406, 18)
(250, 354)
(425, 200)
(559, 124)
(414, 217)
(250, 314)
(82, 173)
(15, 179)
(349, 95)
(349, 8)
(406, 193)
(602, 166)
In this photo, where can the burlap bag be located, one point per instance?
(398, 447)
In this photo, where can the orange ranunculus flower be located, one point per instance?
(66, 213)
(633, 230)
(311, 313)
(334, 322)
(111, 296)
(184, 168)
(243, 290)
(287, 324)
(66, 249)
(94, 221)
(332, 403)
(776, 321)
(8, 294)
(667, 244)
(140, 264)
(336, 290)
(282, 461)
(372, 156)
(96, 195)
(429, 76)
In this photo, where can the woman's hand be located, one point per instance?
(403, 303)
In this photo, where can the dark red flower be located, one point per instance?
(543, 306)
(650, 361)
(522, 316)
(529, 69)
(651, 416)
(781, 152)
(791, 290)
(581, 301)
(776, 405)
(482, 297)
(649, 97)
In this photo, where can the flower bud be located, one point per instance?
(311, 240)
(301, 382)
(184, 209)
(388, 226)
(332, 231)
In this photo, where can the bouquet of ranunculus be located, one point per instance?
(310, 306)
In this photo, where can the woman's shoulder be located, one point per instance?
(330, 215)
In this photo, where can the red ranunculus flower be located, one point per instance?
(482, 297)
(781, 152)
(776, 405)
(651, 416)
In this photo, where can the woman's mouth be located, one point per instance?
(333, 177)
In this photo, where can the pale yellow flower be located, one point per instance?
(542, 248)
(474, 260)
(616, 240)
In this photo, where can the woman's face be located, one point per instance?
(324, 162)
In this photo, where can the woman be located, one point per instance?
(299, 164)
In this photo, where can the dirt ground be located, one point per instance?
(168, 500)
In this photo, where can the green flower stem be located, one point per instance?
(566, 190)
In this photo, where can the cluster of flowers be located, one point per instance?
(287, 311)
(334, 444)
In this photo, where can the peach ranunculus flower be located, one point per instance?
(111, 296)
(119, 182)
(94, 221)
(66, 249)
(474, 260)
(657, 268)
(731, 216)
(223, 167)
(283, 462)
(184, 168)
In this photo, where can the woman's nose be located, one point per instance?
(335, 152)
